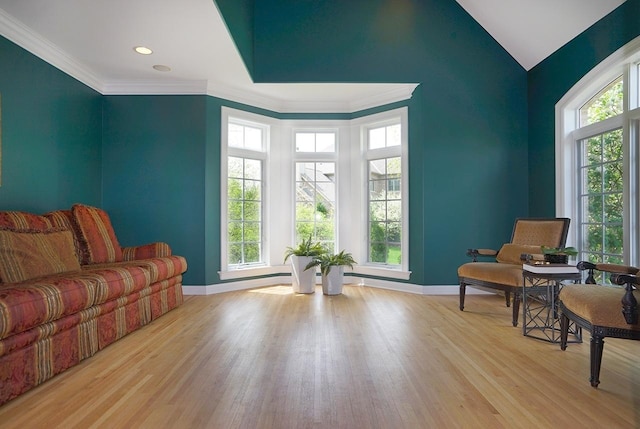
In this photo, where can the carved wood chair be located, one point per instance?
(505, 273)
(604, 311)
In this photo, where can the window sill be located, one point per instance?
(390, 273)
(262, 270)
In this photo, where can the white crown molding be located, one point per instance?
(399, 93)
(31, 41)
(25, 37)
(194, 87)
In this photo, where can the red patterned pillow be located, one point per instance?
(30, 253)
(18, 221)
(96, 235)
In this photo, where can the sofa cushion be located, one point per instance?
(29, 254)
(38, 301)
(96, 235)
(510, 253)
(64, 219)
(16, 220)
(115, 281)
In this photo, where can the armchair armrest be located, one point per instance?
(607, 268)
(146, 251)
(629, 302)
(474, 253)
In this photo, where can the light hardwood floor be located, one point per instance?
(370, 358)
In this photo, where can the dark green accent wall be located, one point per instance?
(51, 135)
(550, 80)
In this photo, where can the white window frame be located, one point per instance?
(270, 181)
(622, 62)
(319, 157)
(361, 127)
(279, 190)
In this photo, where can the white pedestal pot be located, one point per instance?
(332, 282)
(301, 280)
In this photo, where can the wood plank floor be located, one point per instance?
(370, 358)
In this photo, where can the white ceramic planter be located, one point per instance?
(301, 280)
(332, 282)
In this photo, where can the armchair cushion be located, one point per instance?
(540, 232)
(599, 305)
(510, 253)
(506, 274)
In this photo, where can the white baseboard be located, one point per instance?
(286, 280)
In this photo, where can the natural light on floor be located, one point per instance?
(275, 290)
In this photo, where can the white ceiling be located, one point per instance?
(93, 41)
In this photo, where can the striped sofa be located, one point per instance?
(67, 290)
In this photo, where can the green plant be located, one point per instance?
(326, 260)
(570, 251)
(304, 248)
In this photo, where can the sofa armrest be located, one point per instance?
(146, 251)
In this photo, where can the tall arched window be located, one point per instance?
(598, 161)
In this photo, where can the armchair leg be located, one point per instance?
(516, 308)
(597, 346)
(463, 288)
(564, 331)
(507, 297)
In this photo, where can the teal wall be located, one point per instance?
(239, 21)
(550, 80)
(468, 118)
(481, 128)
(154, 173)
(51, 135)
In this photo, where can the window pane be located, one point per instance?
(315, 142)
(252, 169)
(252, 190)
(245, 137)
(252, 211)
(605, 104)
(305, 142)
(385, 210)
(325, 142)
(377, 138)
(393, 135)
(234, 189)
(236, 135)
(235, 167)
(315, 201)
(601, 200)
(253, 138)
(244, 210)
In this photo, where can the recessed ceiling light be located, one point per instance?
(162, 68)
(143, 50)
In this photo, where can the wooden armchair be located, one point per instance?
(605, 311)
(505, 273)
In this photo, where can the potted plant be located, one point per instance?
(558, 255)
(332, 270)
(303, 281)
